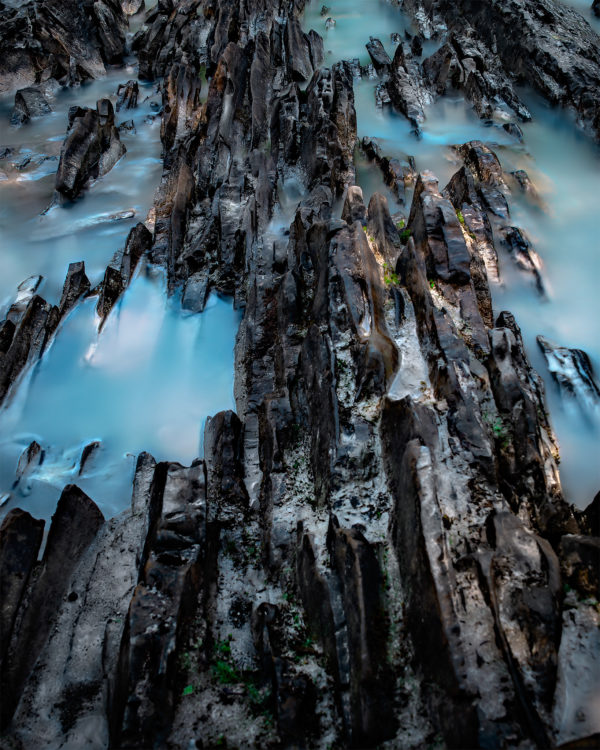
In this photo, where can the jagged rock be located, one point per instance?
(354, 207)
(223, 450)
(25, 292)
(523, 254)
(131, 7)
(143, 697)
(580, 556)
(74, 525)
(76, 285)
(554, 48)
(127, 94)
(596, 7)
(299, 51)
(407, 88)
(377, 53)
(356, 565)
(33, 455)
(44, 38)
(181, 100)
(20, 540)
(572, 371)
(116, 279)
(91, 149)
(30, 337)
(29, 102)
(382, 231)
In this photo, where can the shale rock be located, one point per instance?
(29, 103)
(91, 149)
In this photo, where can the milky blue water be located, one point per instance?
(154, 374)
(564, 165)
(34, 244)
(147, 383)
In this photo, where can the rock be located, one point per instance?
(128, 126)
(32, 456)
(223, 450)
(143, 700)
(299, 49)
(324, 10)
(127, 94)
(131, 7)
(553, 48)
(573, 372)
(76, 285)
(91, 149)
(523, 254)
(358, 571)
(580, 557)
(330, 23)
(39, 40)
(20, 540)
(30, 337)
(195, 293)
(113, 286)
(29, 103)
(377, 53)
(596, 7)
(74, 525)
(25, 293)
(354, 207)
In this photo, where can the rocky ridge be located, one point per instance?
(375, 549)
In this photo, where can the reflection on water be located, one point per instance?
(564, 165)
(147, 383)
(84, 230)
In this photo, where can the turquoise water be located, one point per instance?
(148, 382)
(34, 244)
(564, 165)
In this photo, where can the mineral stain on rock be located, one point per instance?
(373, 549)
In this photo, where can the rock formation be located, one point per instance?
(374, 548)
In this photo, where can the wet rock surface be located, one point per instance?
(374, 549)
(91, 149)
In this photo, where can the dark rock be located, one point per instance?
(25, 293)
(91, 149)
(143, 698)
(127, 94)
(131, 7)
(32, 456)
(596, 7)
(127, 125)
(113, 286)
(523, 254)
(20, 540)
(29, 103)
(356, 565)
(31, 335)
(572, 371)
(377, 53)
(354, 207)
(223, 450)
(74, 525)
(55, 39)
(580, 557)
(76, 285)
(299, 51)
